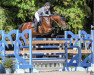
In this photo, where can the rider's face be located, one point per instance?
(48, 7)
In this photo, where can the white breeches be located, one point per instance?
(37, 16)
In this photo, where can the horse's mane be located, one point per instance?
(56, 14)
(53, 14)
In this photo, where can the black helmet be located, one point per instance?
(48, 4)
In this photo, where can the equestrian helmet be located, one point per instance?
(48, 3)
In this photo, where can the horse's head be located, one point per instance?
(63, 22)
(60, 20)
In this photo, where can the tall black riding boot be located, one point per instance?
(36, 26)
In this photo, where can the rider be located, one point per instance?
(43, 11)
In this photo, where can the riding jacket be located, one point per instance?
(43, 11)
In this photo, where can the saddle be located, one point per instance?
(35, 20)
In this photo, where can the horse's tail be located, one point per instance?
(20, 28)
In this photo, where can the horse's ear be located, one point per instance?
(64, 15)
(61, 15)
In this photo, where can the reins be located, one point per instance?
(55, 21)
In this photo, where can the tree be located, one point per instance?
(76, 13)
(3, 18)
(18, 11)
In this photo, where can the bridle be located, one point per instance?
(57, 22)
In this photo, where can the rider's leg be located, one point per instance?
(36, 22)
(36, 26)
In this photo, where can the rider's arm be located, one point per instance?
(42, 11)
(49, 12)
(44, 14)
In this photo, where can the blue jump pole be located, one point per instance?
(92, 50)
(79, 67)
(91, 68)
(17, 50)
(66, 53)
(79, 52)
(30, 50)
(3, 45)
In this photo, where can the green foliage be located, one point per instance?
(76, 13)
(2, 18)
(15, 12)
(8, 63)
(76, 19)
(4, 21)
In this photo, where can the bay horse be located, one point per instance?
(47, 25)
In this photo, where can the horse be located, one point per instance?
(47, 25)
